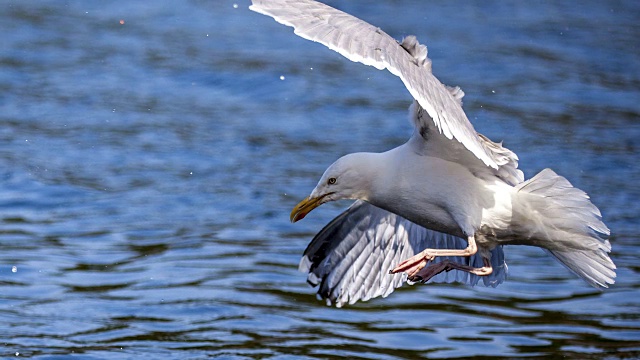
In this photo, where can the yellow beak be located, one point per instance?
(305, 206)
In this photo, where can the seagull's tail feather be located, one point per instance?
(567, 225)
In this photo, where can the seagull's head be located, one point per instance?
(349, 177)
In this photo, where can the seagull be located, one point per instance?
(446, 200)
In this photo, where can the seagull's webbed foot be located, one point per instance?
(426, 273)
(413, 264)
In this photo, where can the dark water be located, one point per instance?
(148, 169)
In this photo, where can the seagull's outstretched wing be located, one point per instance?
(359, 41)
(351, 257)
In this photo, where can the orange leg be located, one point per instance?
(416, 263)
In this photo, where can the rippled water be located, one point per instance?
(150, 154)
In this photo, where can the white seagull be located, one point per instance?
(447, 199)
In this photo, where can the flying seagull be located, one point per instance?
(446, 200)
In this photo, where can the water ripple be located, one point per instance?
(148, 169)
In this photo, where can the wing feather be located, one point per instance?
(351, 257)
(427, 140)
(362, 42)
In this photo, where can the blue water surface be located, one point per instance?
(150, 153)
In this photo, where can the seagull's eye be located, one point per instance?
(331, 181)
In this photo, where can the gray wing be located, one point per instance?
(350, 258)
(427, 140)
(361, 42)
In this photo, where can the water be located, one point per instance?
(148, 169)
